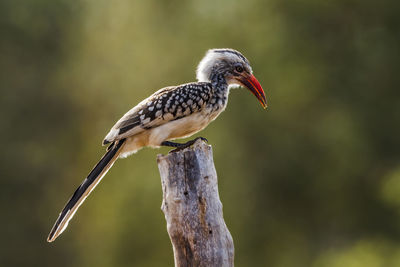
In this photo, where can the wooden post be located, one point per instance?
(192, 208)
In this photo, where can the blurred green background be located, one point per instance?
(312, 181)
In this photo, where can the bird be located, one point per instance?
(170, 113)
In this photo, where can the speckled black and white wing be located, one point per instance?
(167, 104)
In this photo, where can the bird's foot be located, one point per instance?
(179, 146)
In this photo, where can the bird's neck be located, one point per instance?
(218, 82)
(220, 87)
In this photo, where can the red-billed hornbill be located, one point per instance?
(170, 113)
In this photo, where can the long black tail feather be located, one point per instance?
(85, 188)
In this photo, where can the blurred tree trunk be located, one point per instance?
(192, 208)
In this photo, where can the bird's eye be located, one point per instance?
(239, 68)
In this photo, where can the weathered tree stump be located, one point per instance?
(192, 208)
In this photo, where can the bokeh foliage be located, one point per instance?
(312, 181)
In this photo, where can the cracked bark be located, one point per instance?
(192, 208)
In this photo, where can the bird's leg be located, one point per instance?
(179, 146)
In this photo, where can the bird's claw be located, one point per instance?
(201, 138)
(188, 144)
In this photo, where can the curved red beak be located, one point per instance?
(251, 83)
